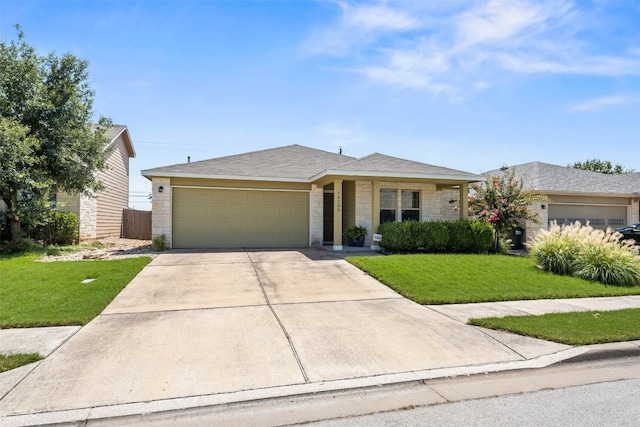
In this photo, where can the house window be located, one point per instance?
(388, 203)
(410, 205)
(399, 205)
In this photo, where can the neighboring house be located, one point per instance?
(577, 195)
(101, 216)
(296, 196)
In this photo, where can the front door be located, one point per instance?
(327, 218)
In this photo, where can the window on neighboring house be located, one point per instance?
(410, 205)
(53, 200)
(388, 203)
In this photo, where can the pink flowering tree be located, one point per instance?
(502, 201)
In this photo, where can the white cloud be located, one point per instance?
(602, 103)
(359, 25)
(500, 20)
(464, 49)
(371, 18)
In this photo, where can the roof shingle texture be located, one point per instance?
(377, 162)
(545, 177)
(299, 162)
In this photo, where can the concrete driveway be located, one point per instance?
(210, 323)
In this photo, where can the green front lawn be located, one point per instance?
(571, 328)
(13, 361)
(447, 279)
(36, 294)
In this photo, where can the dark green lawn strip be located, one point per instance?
(8, 362)
(36, 294)
(581, 328)
(446, 279)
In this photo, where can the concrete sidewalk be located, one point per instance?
(197, 330)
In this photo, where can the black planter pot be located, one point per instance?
(358, 243)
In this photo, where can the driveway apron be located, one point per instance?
(202, 323)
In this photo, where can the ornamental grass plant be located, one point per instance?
(582, 251)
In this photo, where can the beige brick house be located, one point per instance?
(296, 196)
(101, 216)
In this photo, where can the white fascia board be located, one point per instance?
(410, 175)
(127, 141)
(151, 174)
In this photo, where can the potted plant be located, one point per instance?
(354, 235)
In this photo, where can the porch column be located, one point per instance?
(375, 211)
(464, 201)
(337, 214)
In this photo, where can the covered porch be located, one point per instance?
(368, 201)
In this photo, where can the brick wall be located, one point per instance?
(316, 211)
(161, 217)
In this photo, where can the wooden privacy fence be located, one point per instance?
(136, 224)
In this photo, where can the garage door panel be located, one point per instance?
(217, 218)
(598, 216)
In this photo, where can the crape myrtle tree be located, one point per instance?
(502, 202)
(46, 140)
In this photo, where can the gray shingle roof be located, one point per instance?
(304, 164)
(292, 162)
(377, 162)
(548, 178)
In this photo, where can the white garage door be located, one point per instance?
(204, 218)
(598, 216)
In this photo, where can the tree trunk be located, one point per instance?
(496, 241)
(16, 229)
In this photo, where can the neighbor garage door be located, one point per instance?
(598, 216)
(204, 218)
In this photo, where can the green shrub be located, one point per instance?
(556, 251)
(20, 245)
(481, 237)
(436, 236)
(160, 243)
(608, 266)
(395, 237)
(469, 236)
(61, 229)
(585, 252)
(53, 227)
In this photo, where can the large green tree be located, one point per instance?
(600, 166)
(503, 202)
(46, 140)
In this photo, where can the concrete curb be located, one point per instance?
(159, 408)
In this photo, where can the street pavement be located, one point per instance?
(198, 330)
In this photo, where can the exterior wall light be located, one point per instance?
(542, 206)
(160, 189)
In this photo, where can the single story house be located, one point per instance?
(577, 195)
(296, 196)
(101, 216)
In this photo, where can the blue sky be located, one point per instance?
(470, 85)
